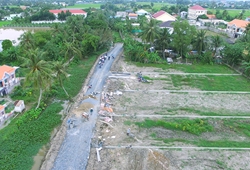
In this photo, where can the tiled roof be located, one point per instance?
(1, 107)
(197, 7)
(159, 13)
(166, 24)
(132, 15)
(73, 11)
(239, 23)
(211, 16)
(5, 69)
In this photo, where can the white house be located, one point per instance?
(11, 16)
(163, 16)
(142, 12)
(8, 79)
(195, 11)
(19, 106)
(72, 11)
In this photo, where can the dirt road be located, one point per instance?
(74, 152)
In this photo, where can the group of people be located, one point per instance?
(103, 59)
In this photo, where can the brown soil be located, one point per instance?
(144, 102)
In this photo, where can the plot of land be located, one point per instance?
(171, 129)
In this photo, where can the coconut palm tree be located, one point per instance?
(216, 42)
(200, 40)
(59, 69)
(39, 71)
(27, 40)
(164, 40)
(150, 32)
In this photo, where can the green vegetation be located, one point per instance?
(3, 23)
(127, 122)
(195, 68)
(82, 6)
(205, 112)
(239, 126)
(2, 102)
(209, 143)
(212, 83)
(232, 12)
(19, 145)
(196, 126)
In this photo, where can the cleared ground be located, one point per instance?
(159, 141)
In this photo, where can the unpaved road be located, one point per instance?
(74, 151)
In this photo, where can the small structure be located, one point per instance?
(141, 12)
(19, 106)
(72, 11)
(183, 14)
(8, 79)
(121, 14)
(132, 16)
(195, 11)
(12, 16)
(168, 25)
(247, 19)
(211, 16)
(163, 16)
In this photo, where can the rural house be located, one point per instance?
(195, 11)
(72, 11)
(19, 106)
(8, 79)
(163, 16)
(237, 26)
(141, 12)
(132, 16)
(168, 25)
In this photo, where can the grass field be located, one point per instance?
(196, 68)
(2, 23)
(233, 12)
(212, 83)
(82, 6)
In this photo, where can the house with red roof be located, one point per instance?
(8, 79)
(72, 11)
(163, 16)
(195, 11)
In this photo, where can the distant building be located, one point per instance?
(163, 16)
(19, 106)
(211, 16)
(237, 26)
(141, 12)
(195, 11)
(247, 19)
(183, 14)
(121, 14)
(72, 11)
(132, 16)
(168, 25)
(12, 16)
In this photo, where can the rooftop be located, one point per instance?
(197, 7)
(132, 15)
(5, 69)
(239, 23)
(73, 11)
(1, 107)
(159, 13)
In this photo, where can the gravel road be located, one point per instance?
(74, 152)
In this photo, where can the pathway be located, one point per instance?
(189, 91)
(176, 147)
(74, 152)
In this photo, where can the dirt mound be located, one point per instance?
(84, 107)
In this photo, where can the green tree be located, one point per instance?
(39, 71)
(182, 36)
(27, 40)
(59, 70)
(150, 32)
(6, 44)
(216, 42)
(200, 41)
(163, 41)
(233, 53)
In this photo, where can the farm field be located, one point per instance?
(183, 118)
(82, 6)
(232, 12)
(2, 23)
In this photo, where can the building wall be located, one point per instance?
(165, 17)
(193, 14)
